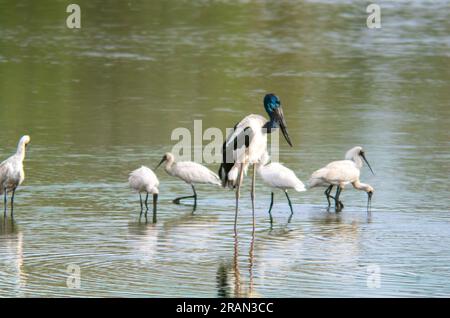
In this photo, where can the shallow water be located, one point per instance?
(101, 101)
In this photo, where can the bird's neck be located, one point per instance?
(361, 186)
(271, 124)
(21, 151)
(168, 166)
(358, 161)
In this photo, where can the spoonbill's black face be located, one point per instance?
(362, 154)
(272, 105)
(164, 158)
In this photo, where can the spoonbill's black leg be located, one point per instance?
(289, 201)
(12, 203)
(5, 201)
(194, 196)
(337, 203)
(146, 205)
(142, 206)
(270, 208)
(155, 201)
(327, 194)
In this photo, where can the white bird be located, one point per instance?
(12, 173)
(190, 172)
(340, 173)
(276, 175)
(144, 180)
(247, 144)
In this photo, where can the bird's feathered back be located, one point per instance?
(235, 146)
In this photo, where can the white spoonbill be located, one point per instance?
(340, 173)
(190, 172)
(247, 144)
(144, 180)
(12, 173)
(276, 175)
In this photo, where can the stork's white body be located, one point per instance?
(144, 180)
(256, 148)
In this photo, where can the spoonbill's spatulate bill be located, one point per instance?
(12, 173)
(277, 176)
(340, 173)
(247, 144)
(143, 180)
(190, 172)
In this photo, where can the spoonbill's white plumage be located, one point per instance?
(246, 144)
(144, 180)
(190, 172)
(277, 176)
(341, 173)
(12, 173)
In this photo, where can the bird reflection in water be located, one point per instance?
(236, 288)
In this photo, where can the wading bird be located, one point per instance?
(247, 144)
(276, 175)
(144, 180)
(340, 173)
(190, 172)
(12, 173)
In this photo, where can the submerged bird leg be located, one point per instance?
(142, 206)
(12, 202)
(270, 208)
(289, 201)
(5, 201)
(369, 201)
(194, 196)
(155, 201)
(337, 203)
(238, 195)
(146, 205)
(327, 194)
(252, 194)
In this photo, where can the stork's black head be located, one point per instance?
(272, 105)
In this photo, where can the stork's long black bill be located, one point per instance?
(364, 157)
(279, 118)
(162, 160)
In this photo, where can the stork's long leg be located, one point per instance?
(270, 208)
(155, 201)
(252, 194)
(194, 196)
(238, 195)
(12, 202)
(289, 201)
